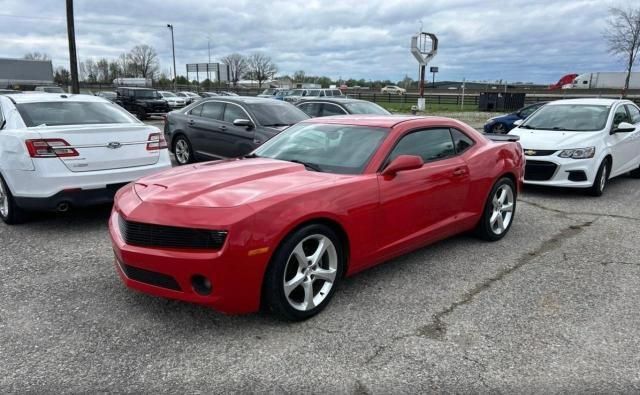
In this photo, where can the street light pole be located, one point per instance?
(209, 48)
(173, 49)
(73, 58)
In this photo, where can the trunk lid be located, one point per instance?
(104, 147)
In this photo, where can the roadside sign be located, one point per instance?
(433, 69)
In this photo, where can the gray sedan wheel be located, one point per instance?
(182, 151)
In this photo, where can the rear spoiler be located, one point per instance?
(502, 137)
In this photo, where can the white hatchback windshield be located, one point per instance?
(569, 117)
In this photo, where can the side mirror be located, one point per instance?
(403, 163)
(243, 122)
(624, 127)
(518, 122)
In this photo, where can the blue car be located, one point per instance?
(504, 123)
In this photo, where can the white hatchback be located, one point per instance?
(60, 150)
(581, 143)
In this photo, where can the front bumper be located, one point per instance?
(235, 276)
(564, 167)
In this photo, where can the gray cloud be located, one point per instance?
(516, 40)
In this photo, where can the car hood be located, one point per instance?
(229, 183)
(553, 139)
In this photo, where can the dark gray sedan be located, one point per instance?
(327, 106)
(226, 127)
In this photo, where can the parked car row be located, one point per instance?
(290, 204)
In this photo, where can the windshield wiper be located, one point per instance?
(562, 129)
(528, 127)
(311, 166)
(278, 124)
(249, 156)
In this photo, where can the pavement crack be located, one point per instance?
(620, 263)
(567, 214)
(437, 328)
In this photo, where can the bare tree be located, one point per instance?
(299, 75)
(36, 56)
(261, 68)
(144, 60)
(102, 67)
(237, 66)
(623, 35)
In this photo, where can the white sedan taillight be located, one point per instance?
(50, 148)
(156, 141)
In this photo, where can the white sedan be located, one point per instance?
(581, 143)
(60, 150)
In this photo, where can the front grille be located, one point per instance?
(150, 235)
(149, 277)
(539, 170)
(538, 152)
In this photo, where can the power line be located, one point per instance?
(85, 21)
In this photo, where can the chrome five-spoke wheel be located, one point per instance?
(182, 151)
(310, 272)
(503, 202)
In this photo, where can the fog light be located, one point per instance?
(201, 285)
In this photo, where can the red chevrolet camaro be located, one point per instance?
(324, 199)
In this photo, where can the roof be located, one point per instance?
(136, 88)
(243, 99)
(383, 121)
(592, 101)
(49, 97)
(332, 100)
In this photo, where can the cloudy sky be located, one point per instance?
(514, 40)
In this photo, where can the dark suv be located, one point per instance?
(143, 102)
(226, 126)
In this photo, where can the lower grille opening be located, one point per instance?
(539, 170)
(149, 277)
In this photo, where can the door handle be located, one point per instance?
(191, 122)
(459, 171)
(223, 127)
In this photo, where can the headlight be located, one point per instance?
(578, 153)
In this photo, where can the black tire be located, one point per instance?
(499, 128)
(274, 296)
(141, 114)
(14, 215)
(599, 183)
(183, 157)
(485, 229)
(635, 173)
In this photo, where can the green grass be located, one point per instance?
(430, 108)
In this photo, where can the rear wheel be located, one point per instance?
(602, 177)
(10, 213)
(141, 114)
(499, 211)
(304, 272)
(182, 150)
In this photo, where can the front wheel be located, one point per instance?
(10, 213)
(499, 128)
(304, 272)
(602, 177)
(499, 211)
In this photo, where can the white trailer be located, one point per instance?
(135, 82)
(606, 80)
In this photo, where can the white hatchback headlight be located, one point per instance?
(578, 153)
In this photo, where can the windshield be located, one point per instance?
(54, 89)
(569, 117)
(268, 91)
(365, 108)
(108, 94)
(343, 149)
(147, 94)
(72, 113)
(168, 94)
(276, 114)
(295, 92)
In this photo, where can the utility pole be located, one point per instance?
(173, 50)
(209, 48)
(73, 58)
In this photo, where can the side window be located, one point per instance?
(331, 109)
(212, 110)
(528, 111)
(431, 144)
(461, 141)
(620, 116)
(233, 112)
(311, 109)
(634, 113)
(196, 111)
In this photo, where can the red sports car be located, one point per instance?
(324, 199)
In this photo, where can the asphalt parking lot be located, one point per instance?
(552, 307)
